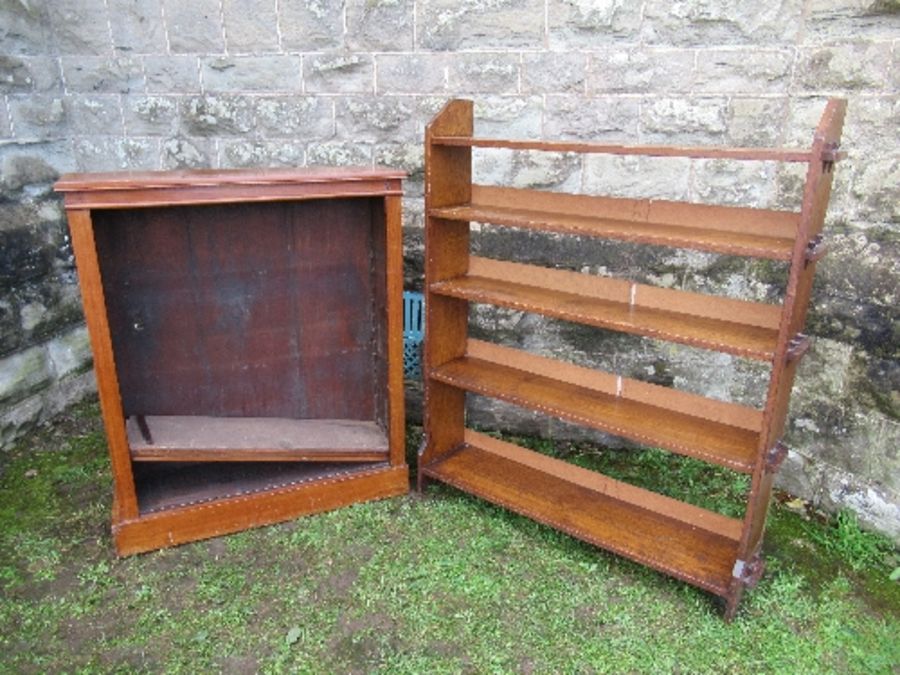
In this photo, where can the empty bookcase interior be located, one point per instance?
(718, 553)
(247, 337)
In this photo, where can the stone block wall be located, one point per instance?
(97, 85)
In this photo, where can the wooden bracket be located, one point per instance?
(776, 456)
(830, 155)
(816, 249)
(749, 572)
(798, 346)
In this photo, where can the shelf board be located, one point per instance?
(255, 439)
(739, 231)
(693, 152)
(680, 539)
(732, 326)
(717, 432)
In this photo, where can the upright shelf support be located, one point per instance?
(448, 180)
(792, 344)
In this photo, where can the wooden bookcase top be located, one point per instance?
(132, 189)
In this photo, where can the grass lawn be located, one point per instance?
(419, 584)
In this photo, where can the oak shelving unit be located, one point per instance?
(247, 336)
(718, 553)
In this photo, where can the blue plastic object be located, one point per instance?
(413, 333)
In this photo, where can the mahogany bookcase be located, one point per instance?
(718, 553)
(247, 336)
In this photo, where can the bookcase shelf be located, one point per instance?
(731, 326)
(247, 337)
(714, 552)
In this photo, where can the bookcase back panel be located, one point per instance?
(253, 310)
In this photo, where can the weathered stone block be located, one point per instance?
(311, 25)
(137, 26)
(187, 153)
(587, 23)
(380, 25)
(29, 74)
(48, 305)
(720, 22)
(854, 439)
(19, 171)
(803, 117)
(70, 352)
(101, 114)
(24, 256)
(480, 24)
(849, 65)
(639, 177)
(111, 153)
(537, 170)
(17, 418)
(633, 70)
(893, 84)
(876, 189)
(339, 73)
(56, 155)
(5, 126)
(38, 116)
(376, 119)
(172, 74)
(420, 73)
(194, 27)
(10, 326)
(248, 154)
(23, 374)
(80, 27)
(756, 121)
(409, 157)
(14, 76)
(831, 20)
(151, 115)
(734, 183)
(251, 73)
(294, 117)
(413, 240)
(576, 117)
(508, 116)
(553, 72)
(217, 115)
(338, 154)
(98, 74)
(251, 26)
(429, 106)
(24, 27)
(742, 71)
(870, 120)
(685, 121)
(863, 264)
(484, 73)
(23, 416)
